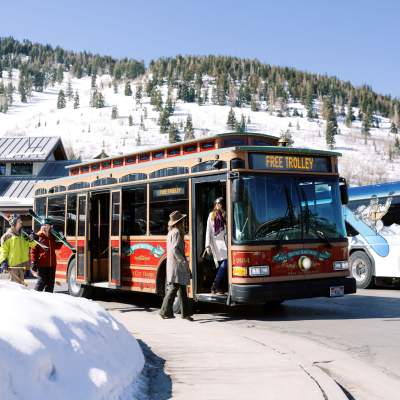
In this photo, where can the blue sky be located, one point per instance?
(356, 40)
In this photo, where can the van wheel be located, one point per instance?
(361, 269)
(75, 288)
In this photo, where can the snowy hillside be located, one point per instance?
(85, 131)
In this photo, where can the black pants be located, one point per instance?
(46, 279)
(172, 290)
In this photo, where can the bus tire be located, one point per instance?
(74, 288)
(361, 269)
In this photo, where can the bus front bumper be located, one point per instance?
(278, 291)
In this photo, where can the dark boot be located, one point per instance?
(213, 289)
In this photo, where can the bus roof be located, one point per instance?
(247, 141)
(289, 150)
(380, 190)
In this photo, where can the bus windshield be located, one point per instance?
(286, 207)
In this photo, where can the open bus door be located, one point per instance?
(82, 240)
(115, 262)
(204, 191)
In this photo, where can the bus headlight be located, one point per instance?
(340, 265)
(262, 270)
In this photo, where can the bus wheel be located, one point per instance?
(74, 288)
(361, 269)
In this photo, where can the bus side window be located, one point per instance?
(71, 215)
(134, 209)
(164, 198)
(56, 211)
(40, 209)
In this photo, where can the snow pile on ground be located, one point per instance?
(53, 346)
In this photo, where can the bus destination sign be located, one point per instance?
(280, 162)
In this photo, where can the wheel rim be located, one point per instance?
(73, 284)
(359, 270)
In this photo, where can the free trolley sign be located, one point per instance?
(289, 162)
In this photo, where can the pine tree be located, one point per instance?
(128, 89)
(76, 100)
(295, 113)
(241, 126)
(22, 91)
(142, 125)
(163, 121)
(93, 81)
(393, 128)
(99, 100)
(309, 102)
(349, 116)
(60, 74)
(9, 91)
(331, 122)
(254, 105)
(231, 122)
(114, 112)
(298, 125)
(139, 94)
(115, 86)
(61, 102)
(189, 131)
(130, 120)
(169, 106)
(173, 134)
(69, 92)
(366, 123)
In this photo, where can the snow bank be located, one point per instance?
(53, 346)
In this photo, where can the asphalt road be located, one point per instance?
(365, 327)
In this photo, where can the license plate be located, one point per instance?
(336, 291)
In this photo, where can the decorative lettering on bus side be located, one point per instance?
(169, 191)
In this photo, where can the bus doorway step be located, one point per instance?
(212, 298)
(103, 285)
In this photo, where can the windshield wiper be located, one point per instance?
(309, 224)
(290, 214)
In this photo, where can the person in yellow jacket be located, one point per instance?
(14, 250)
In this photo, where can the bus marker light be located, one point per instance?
(340, 265)
(239, 271)
(262, 270)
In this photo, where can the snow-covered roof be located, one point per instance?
(31, 148)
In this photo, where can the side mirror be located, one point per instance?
(237, 190)
(344, 192)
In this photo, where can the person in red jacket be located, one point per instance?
(44, 262)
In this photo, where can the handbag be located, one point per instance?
(205, 256)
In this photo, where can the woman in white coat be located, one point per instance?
(216, 243)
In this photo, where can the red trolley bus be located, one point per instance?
(286, 234)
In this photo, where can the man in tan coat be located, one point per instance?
(178, 272)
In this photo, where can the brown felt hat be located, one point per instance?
(175, 217)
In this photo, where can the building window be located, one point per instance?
(165, 198)
(134, 220)
(2, 168)
(21, 168)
